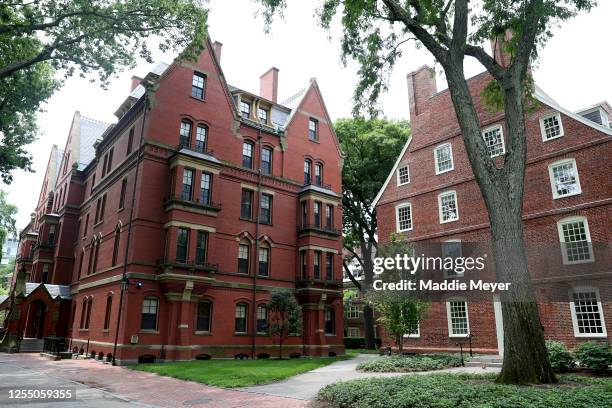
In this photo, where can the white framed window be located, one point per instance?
(587, 312)
(575, 240)
(494, 140)
(452, 249)
(447, 206)
(403, 217)
(403, 175)
(353, 332)
(551, 126)
(458, 321)
(443, 157)
(415, 335)
(564, 179)
(352, 312)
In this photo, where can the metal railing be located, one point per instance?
(188, 264)
(313, 182)
(194, 147)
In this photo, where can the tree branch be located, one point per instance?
(350, 275)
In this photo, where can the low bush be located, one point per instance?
(560, 359)
(419, 362)
(594, 355)
(359, 342)
(464, 391)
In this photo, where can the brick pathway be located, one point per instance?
(146, 388)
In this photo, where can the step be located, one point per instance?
(485, 361)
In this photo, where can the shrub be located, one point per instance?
(419, 362)
(594, 355)
(464, 391)
(560, 359)
(359, 342)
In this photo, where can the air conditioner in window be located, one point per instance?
(134, 339)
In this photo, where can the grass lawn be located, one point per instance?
(465, 391)
(356, 352)
(237, 373)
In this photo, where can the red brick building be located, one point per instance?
(431, 196)
(201, 199)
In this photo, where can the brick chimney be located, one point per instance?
(268, 84)
(135, 82)
(421, 86)
(502, 57)
(217, 47)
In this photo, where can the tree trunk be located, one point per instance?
(368, 311)
(400, 343)
(525, 357)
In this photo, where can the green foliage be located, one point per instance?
(419, 362)
(90, 37)
(285, 315)
(5, 283)
(560, 359)
(236, 373)
(594, 355)
(464, 391)
(7, 219)
(371, 148)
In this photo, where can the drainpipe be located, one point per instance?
(124, 281)
(256, 257)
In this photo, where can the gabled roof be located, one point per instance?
(540, 95)
(54, 291)
(90, 130)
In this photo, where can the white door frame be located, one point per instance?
(499, 324)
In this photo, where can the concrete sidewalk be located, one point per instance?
(305, 386)
(102, 385)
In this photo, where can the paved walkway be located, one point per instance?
(305, 386)
(102, 385)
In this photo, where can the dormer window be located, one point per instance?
(245, 109)
(262, 114)
(198, 85)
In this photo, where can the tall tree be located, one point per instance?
(285, 316)
(7, 220)
(374, 32)
(371, 148)
(90, 37)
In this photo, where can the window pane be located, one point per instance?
(205, 188)
(243, 259)
(312, 129)
(264, 254)
(404, 218)
(201, 247)
(448, 207)
(263, 115)
(588, 313)
(204, 316)
(307, 171)
(241, 316)
(458, 318)
(552, 127)
(185, 133)
(404, 175)
(247, 155)
(149, 314)
(266, 209)
(182, 244)
(266, 161)
(329, 321)
(444, 158)
(246, 203)
(565, 180)
(262, 319)
(245, 109)
(494, 141)
(187, 184)
(201, 133)
(576, 242)
(198, 85)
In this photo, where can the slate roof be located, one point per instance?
(90, 131)
(54, 291)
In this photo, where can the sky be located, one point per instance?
(574, 69)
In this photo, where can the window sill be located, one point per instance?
(198, 99)
(591, 336)
(98, 223)
(544, 139)
(330, 335)
(145, 331)
(566, 195)
(444, 171)
(240, 334)
(202, 333)
(247, 219)
(314, 140)
(83, 330)
(447, 221)
(105, 331)
(459, 336)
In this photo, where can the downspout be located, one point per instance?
(124, 281)
(256, 257)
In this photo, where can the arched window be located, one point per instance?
(204, 316)
(243, 257)
(307, 171)
(318, 174)
(107, 314)
(266, 160)
(330, 321)
(185, 133)
(116, 245)
(262, 319)
(247, 154)
(150, 307)
(241, 318)
(264, 260)
(83, 314)
(88, 317)
(201, 137)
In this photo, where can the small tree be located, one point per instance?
(400, 318)
(285, 315)
(7, 219)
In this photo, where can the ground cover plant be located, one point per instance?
(465, 391)
(236, 373)
(419, 362)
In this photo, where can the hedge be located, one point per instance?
(419, 362)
